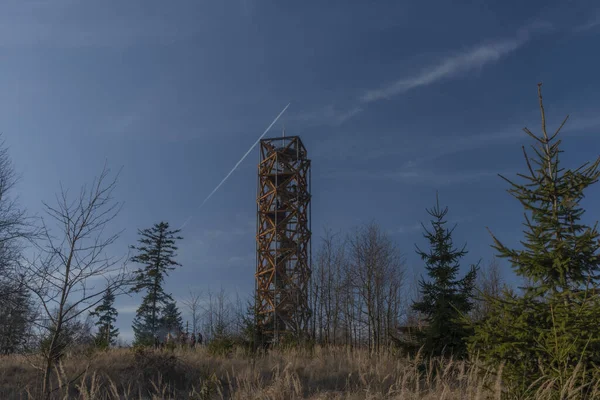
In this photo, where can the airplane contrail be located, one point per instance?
(236, 165)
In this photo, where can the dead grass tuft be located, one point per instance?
(324, 373)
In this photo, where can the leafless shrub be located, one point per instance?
(73, 269)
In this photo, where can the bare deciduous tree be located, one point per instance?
(73, 270)
(14, 222)
(193, 304)
(219, 314)
(356, 289)
(413, 318)
(377, 274)
(16, 308)
(327, 289)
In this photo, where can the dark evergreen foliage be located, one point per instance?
(156, 252)
(542, 334)
(171, 320)
(107, 316)
(16, 315)
(445, 299)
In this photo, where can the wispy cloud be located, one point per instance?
(591, 24)
(458, 63)
(452, 66)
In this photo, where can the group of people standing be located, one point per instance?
(182, 340)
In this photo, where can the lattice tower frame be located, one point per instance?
(283, 239)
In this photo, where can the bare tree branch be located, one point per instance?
(62, 277)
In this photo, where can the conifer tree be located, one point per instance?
(541, 335)
(171, 319)
(107, 316)
(445, 299)
(156, 253)
(17, 311)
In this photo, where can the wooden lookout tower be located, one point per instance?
(283, 238)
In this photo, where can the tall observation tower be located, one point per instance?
(283, 238)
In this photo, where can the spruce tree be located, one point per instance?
(171, 319)
(445, 299)
(542, 334)
(17, 310)
(107, 316)
(156, 253)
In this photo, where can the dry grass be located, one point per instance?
(320, 374)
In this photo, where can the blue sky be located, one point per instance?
(394, 100)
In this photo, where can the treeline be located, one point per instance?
(59, 283)
(360, 292)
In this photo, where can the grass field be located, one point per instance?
(320, 374)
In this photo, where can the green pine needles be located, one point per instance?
(107, 317)
(547, 336)
(445, 299)
(156, 253)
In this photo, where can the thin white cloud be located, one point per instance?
(588, 25)
(456, 64)
(459, 63)
(344, 116)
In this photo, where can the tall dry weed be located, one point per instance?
(321, 373)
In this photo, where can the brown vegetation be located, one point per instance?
(320, 373)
